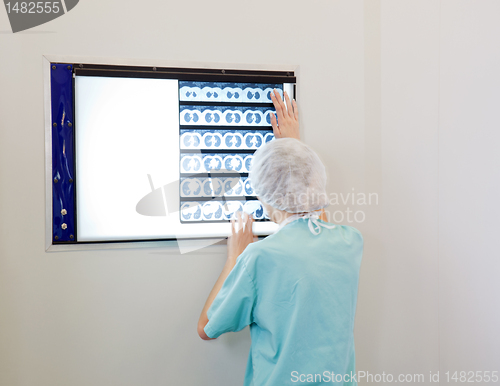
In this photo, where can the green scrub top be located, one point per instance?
(298, 293)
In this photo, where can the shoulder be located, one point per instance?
(256, 255)
(348, 233)
(353, 240)
(351, 235)
(251, 253)
(351, 232)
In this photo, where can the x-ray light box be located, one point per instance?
(157, 154)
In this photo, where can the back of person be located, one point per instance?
(302, 317)
(297, 289)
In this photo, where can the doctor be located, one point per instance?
(296, 289)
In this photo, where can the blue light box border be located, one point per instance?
(63, 161)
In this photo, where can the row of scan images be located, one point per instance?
(216, 163)
(227, 92)
(216, 187)
(220, 211)
(229, 140)
(225, 116)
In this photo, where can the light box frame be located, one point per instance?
(139, 69)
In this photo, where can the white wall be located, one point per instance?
(398, 98)
(469, 185)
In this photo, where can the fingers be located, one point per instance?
(244, 221)
(274, 99)
(249, 222)
(282, 113)
(288, 105)
(279, 105)
(279, 100)
(240, 222)
(274, 124)
(295, 110)
(292, 108)
(233, 225)
(249, 229)
(242, 236)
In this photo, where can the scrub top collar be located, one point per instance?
(312, 223)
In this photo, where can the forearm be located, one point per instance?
(236, 244)
(230, 262)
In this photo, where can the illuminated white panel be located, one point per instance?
(288, 87)
(127, 160)
(126, 128)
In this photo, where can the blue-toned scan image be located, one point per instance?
(255, 209)
(227, 92)
(235, 162)
(222, 125)
(233, 187)
(215, 210)
(191, 211)
(225, 116)
(191, 164)
(216, 187)
(212, 210)
(247, 186)
(216, 163)
(224, 139)
(252, 207)
(230, 209)
(191, 187)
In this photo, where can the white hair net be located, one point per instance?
(288, 175)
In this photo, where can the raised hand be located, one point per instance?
(240, 237)
(287, 124)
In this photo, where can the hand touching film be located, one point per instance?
(287, 125)
(240, 238)
(236, 244)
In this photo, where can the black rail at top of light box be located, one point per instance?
(188, 74)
